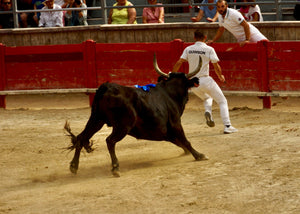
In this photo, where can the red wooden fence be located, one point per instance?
(265, 66)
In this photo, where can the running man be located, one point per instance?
(208, 89)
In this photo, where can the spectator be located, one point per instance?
(63, 4)
(76, 17)
(60, 2)
(237, 7)
(122, 15)
(251, 12)
(244, 9)
(26, 19)
(6, 20)
(235, 23)
(153, 14)
(210, 12)
(37, 5)
(51, 19)
(297, 11)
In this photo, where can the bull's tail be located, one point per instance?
(99, 95)
(101, 91)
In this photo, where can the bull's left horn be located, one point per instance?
(157, 68)
(196, 70)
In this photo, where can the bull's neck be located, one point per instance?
(180, 97)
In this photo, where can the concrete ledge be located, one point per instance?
(274, 31)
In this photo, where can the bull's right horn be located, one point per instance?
(157, 68)
(189, 75)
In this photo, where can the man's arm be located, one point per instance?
(218, 71)
(199, 16)
(109, 21)
(255, 17)
(213, 19)
(217, 36)
(131, 15)
(178, 65)
(161, 15)
(246, 27)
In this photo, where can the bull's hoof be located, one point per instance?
(89, 149)
(116, 173)
(201, 157)
(73, 168)
(115, 170)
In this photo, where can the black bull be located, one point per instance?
(153, 115)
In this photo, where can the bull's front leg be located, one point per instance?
(75, 162)
(182, 141)
(197, 155)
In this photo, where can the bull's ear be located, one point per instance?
(161, 78)
(194, 82)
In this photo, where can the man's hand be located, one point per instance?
(194, 19)
(221, 78)
(209, 42)
(243, 43)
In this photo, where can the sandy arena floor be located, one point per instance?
(256, 170)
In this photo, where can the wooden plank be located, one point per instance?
(263, 94)
(47, 49)
(245, 93)
(2, 67)
(48, 91)
(284, 94)
(93, 90)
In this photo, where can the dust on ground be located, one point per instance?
(253, 171)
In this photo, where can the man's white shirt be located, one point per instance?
(51, 19)
(232, 22)
(192, 53)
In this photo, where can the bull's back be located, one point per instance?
(146, 115)
(114, 103)
(111, 96)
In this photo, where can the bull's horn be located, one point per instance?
(196, 70)
(157, 68)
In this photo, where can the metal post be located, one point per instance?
(15, 14)
(278, 10)
(191, 8)
(104, 11)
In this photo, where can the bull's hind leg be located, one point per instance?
(116, 135)
(82, 140)
(75, 161)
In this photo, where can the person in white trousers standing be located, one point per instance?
(208, 90)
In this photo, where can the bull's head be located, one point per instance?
(189, 75)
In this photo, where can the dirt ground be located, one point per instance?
(256, 170)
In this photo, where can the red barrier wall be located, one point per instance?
(265, 66)
(132, 63)
(44, 67)
(284, 66)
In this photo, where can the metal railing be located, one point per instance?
(191, 5)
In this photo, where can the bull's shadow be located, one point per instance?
(144, 161)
